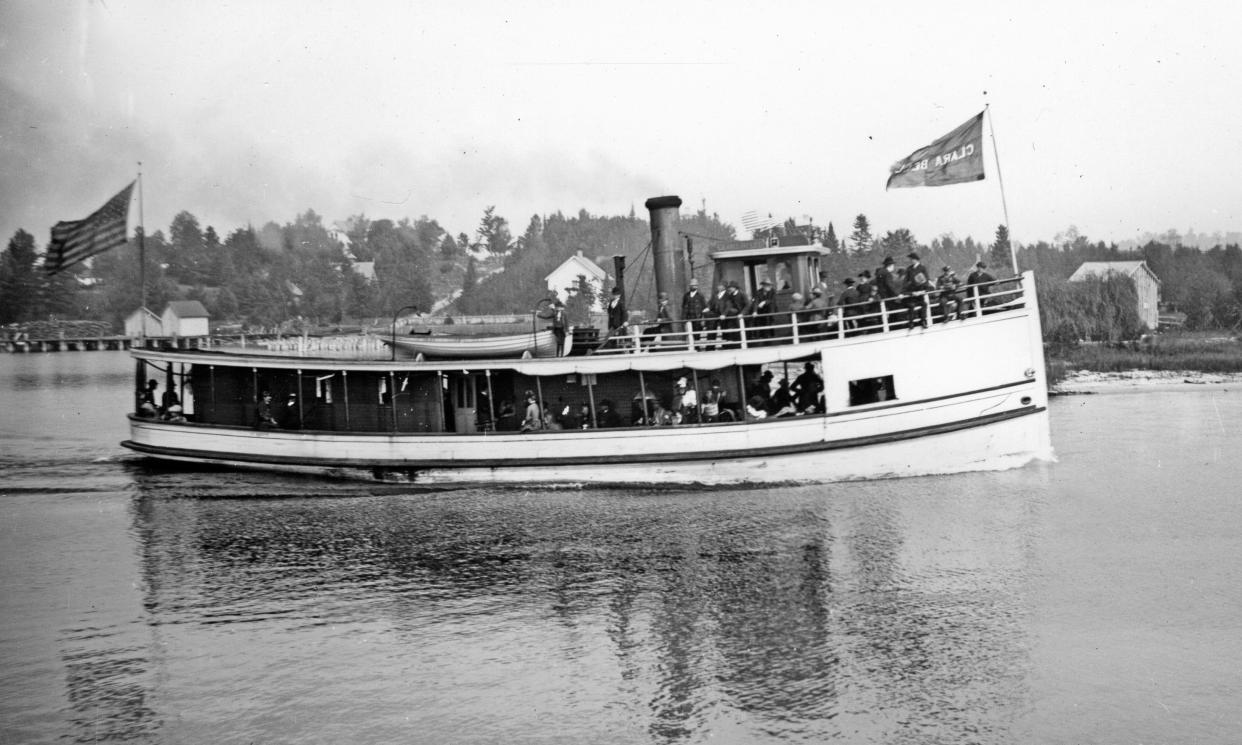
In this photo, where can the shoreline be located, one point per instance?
(1088, 381)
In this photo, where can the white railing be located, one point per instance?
(798, 326)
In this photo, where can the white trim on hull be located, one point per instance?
(999, 445)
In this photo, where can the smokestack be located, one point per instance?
(670, 270)
(618, 270)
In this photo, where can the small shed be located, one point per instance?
(182, 318)
(1146, 283)
(564, 278)
(143, 322)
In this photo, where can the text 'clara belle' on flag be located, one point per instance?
(953, 159)
(76, 240)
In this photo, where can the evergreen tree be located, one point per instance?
(831, 242)
(19, 279)
(998, 254)
(861, 237)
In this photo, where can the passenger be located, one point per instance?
(848, 302)
(817, 310)
(584, 416)
(693, 308)
(664, 321)
(713, 315)
(756, 408)
(169, 400)
(558, 326)
(608, 416)
(950, 303)
(807, 388)
(713, 399)
(147, 395)
(761, 388)
(917, 289)
(264, 419)
(978, 283)
(291, 416)
(733, 305)
(534, 417)
(685, 401)
(761, 309)
(506, 417)
(782, 402)
(616, 312)
(868, 320)
(886, 280)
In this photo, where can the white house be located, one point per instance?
(143, 322)
(1145, 282)
(563, 280)
(184, 318)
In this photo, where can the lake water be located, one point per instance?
(1097, 599)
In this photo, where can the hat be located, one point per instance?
(796, 296)
(616, 290)
(946, 269)
(765, 281)
(981, 265)
(694, 282)
(912, 256)
(817, 290)
(849, 281)
(733, 283)
(664, 296)
(888, 259)
(865, 273)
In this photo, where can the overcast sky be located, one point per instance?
(1118, 118)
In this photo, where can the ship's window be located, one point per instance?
(872, 390)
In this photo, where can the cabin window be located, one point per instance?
(872, 390)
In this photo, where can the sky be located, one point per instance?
(1116, 118)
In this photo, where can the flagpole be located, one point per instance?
(1013, 254)
(142, 258)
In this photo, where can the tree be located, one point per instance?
(494, 232)
(898, 242)
(861, 237)
(19, 280)
(999, 254)
(831, 242)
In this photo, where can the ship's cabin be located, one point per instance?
(790, 268)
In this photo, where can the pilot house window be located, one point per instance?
(872, 390)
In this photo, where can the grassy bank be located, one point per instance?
(1200, 352)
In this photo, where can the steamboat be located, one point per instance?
(900, 389)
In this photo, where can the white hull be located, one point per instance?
(1011, 443)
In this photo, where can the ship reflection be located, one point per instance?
(795, 614)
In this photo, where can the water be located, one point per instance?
(1096, 599)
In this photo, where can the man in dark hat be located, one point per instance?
(916, 289)
(946, 286)
(558, 325)
(885, 281)
(616, 311)
(732, 306)
(762, 307)
(693, 307)
(848, 300)
(978, 284)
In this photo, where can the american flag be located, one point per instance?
(756, 222)
(76, 240)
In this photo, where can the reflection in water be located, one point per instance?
(761, 614)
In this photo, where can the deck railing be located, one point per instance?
(797, 326)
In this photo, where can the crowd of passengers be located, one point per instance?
(683, 405)
(907, 294)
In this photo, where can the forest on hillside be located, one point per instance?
(302, 272)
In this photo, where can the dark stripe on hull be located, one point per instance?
(640, 458)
